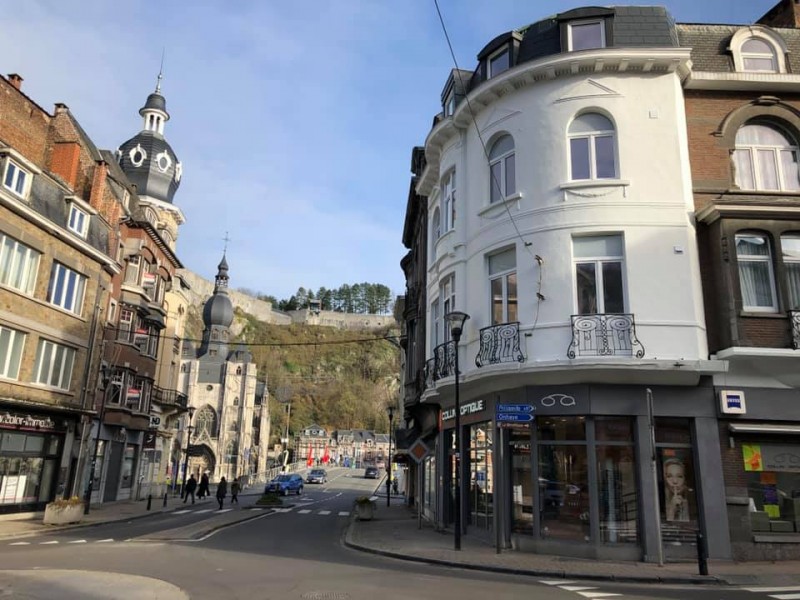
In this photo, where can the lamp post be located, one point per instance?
(457, 320)
(390, 410)
(105, 373)
(188, 445)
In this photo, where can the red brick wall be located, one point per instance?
(23, 124)
(65, 160)
(766, 332)
(785, 13)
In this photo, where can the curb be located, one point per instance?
(560, 574)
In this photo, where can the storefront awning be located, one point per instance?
(763, 428)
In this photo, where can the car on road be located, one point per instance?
(285, 484)
(317, 476)
(371, 473)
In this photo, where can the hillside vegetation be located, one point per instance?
(329, 380)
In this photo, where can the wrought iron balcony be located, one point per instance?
(443, 363)
(604, 335)
(173, 397)
(499, 344)
(794, 319)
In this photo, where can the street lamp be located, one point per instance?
(105, 373)
(188, 445)
(390, 410)
(457, 320)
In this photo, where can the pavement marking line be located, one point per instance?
(576, 588)
(767, 590)
(344, 513)
(47, 543)
(20, 544)
(598, 594)
(785, 596)
(77, 542)
(224, 510)
(205, 510)
(182, 512)
(303, 512)
(556, 582)
(324, 512)
(105, 541)
(255, 508)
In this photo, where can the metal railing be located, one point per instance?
(604, 335)
(173, 397)
(794, 319)
(499, 344)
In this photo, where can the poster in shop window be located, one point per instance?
(676, 485)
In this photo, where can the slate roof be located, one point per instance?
(709, 44)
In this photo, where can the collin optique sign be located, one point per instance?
(466, 409)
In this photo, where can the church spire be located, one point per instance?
(154, 110)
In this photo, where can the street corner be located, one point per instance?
(79, 584)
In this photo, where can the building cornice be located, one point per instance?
(742, 81)
(714, 212)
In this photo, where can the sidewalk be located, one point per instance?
(395, 532)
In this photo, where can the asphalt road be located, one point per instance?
(294, 554)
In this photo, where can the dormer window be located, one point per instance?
(16, 179)
(78, 221)
(499, 62)
(586, 35)
(450, 104)
(758, 55)
(758, 49)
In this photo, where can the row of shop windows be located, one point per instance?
(28, 465)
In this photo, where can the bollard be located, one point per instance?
(165, 498)
(702, 554)
(149, 500)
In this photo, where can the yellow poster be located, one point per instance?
(752, 457)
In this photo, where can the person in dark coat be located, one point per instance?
(235, 487)
(222, 491)
(202, 491)
(191, 486)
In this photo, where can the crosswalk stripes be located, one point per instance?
(778, 592)
(582, 590)
(344, 513)
(305, 511)
(324, 512)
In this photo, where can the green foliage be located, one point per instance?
(269, 500)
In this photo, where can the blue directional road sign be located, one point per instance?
(514, 408)
(515, 417)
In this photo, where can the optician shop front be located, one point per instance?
(578, 478)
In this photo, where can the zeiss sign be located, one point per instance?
(732, 402)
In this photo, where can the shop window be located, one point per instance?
(560, 429)
(564, 492)
(503, 286)
(766, 158)
(756, 275)
(19, 265)
(616, 472)
(676, 480)
(481, 475)
(773, 485)
(521, 481)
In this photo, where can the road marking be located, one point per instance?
(768, 590)
(785, 596)
(20, 544)
(598, 594)
(47, 543)
(205, 510)
(344, 513)
(224, 510)
(105, 541)
(576, 588)
(283, 510)
(256, 508)
(556, 582)
(77, 542)
(303, 512)
(324, 512)
(182, 512)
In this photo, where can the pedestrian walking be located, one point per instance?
(191, 486)
(202, 491)
(235, 487)
(222, 491)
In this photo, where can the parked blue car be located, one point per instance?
(285, 484)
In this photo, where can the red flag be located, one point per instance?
(326, 457)
(309, 459)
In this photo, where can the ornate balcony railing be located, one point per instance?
(794, 318)
(499, 344)
(604, 335)
(173, 397)
(443, 363)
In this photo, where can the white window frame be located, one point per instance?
(584, 23)
(449, 103)
(490, 71)
(448, 201)
(598, 262)
(112, 311)
(757, 258)
(765, 34)
(436, 320)
(9, 369)
(752, 153)
(502, 275)
(78, 220)
(15, 172)
(125, 325)
(792, 287)
(592, 139)
(66, 299)
(502, 181)
(19, 265)
(53, 361)
(132, 268)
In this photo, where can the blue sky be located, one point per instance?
(294, 120)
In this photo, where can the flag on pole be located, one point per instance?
(326, 457)
(310, 458)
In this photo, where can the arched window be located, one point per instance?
(236, 401)
(436, 225)
(765, 158)
(449, 201)
(592, 148)
(758, 55)
(238, 372)
(205, 423)
(756, 276)
(502, 172)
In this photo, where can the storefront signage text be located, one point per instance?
(9, 420)
(466, 409)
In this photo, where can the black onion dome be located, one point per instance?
(155, 101)
(218, 311)
(151, 165)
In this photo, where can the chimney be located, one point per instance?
(98, 185)
(15, 80)
(786, 13)
(65, 160)
(60, 108)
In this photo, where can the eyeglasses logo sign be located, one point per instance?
(553, 399)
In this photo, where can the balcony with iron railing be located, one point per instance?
(604, 335)
(794, 320)
(168, 397)
(499, 344)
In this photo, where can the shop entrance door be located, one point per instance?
(112, 474)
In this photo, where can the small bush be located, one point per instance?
(270, 500)
(363, 500)
(65, 502)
